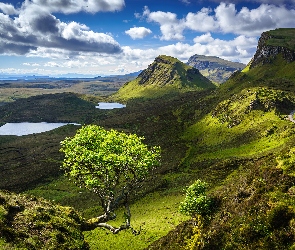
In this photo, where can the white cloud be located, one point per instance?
(241, 48)
(225, 18)
(36, 28)
(201, 21)
(8, 9)
(255, 21)
(75, 6)
(205, 38)
(138, 32)
(170, 26)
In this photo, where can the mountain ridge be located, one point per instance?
(214, 68)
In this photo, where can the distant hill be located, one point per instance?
(214, 68)
(165, 75)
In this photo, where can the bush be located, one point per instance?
(196, 202)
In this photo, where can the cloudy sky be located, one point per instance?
(107, 37)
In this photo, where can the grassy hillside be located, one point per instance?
(165, 76)
(30, 223)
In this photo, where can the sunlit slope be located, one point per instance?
(166, 75)
(250, 123)
(244, 148)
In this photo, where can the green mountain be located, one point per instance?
(238, 138)
(214, 68)
(166, 75)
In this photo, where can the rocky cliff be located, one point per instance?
(272, 44)
(214, 68)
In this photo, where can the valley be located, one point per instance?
(236, 137)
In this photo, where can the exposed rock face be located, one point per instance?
(215, 68)
(271, 44)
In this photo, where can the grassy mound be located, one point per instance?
(27, 222)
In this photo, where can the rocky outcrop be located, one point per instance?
(214, 68)
(268, 48)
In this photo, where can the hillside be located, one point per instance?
(166, 75)
(214, 68)
(237, 138)
(244, 148)
(28, 222)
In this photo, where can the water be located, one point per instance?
(110, 105)
(27, 128)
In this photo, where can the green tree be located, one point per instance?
(111, 164)
(196, 201)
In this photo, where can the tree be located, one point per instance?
(196, 201)
(111, 164)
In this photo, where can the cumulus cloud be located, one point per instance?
(8, 9)
(205, 38)
(240, 48)
(275, 2)
(255, 21)
(225, 18)
(170, 26)
(138, 32)
(74, 6)
(35, 27)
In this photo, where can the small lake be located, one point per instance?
(27, 128)
(110, 105)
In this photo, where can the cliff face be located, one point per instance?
(274, 43)
(214, 68)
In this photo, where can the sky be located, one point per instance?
(114, 37)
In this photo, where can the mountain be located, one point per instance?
(214, 68)
(165, 75)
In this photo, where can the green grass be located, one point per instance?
(282, 37)
(154, 215)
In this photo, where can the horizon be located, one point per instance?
(117, 37)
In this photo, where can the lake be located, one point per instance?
(110, 105)
(27, 128)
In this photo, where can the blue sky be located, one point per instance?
(107, 37)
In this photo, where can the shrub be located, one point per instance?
(196, 202)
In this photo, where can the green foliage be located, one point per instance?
(100, 160)
(196, 201)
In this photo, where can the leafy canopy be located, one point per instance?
(100, 160)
